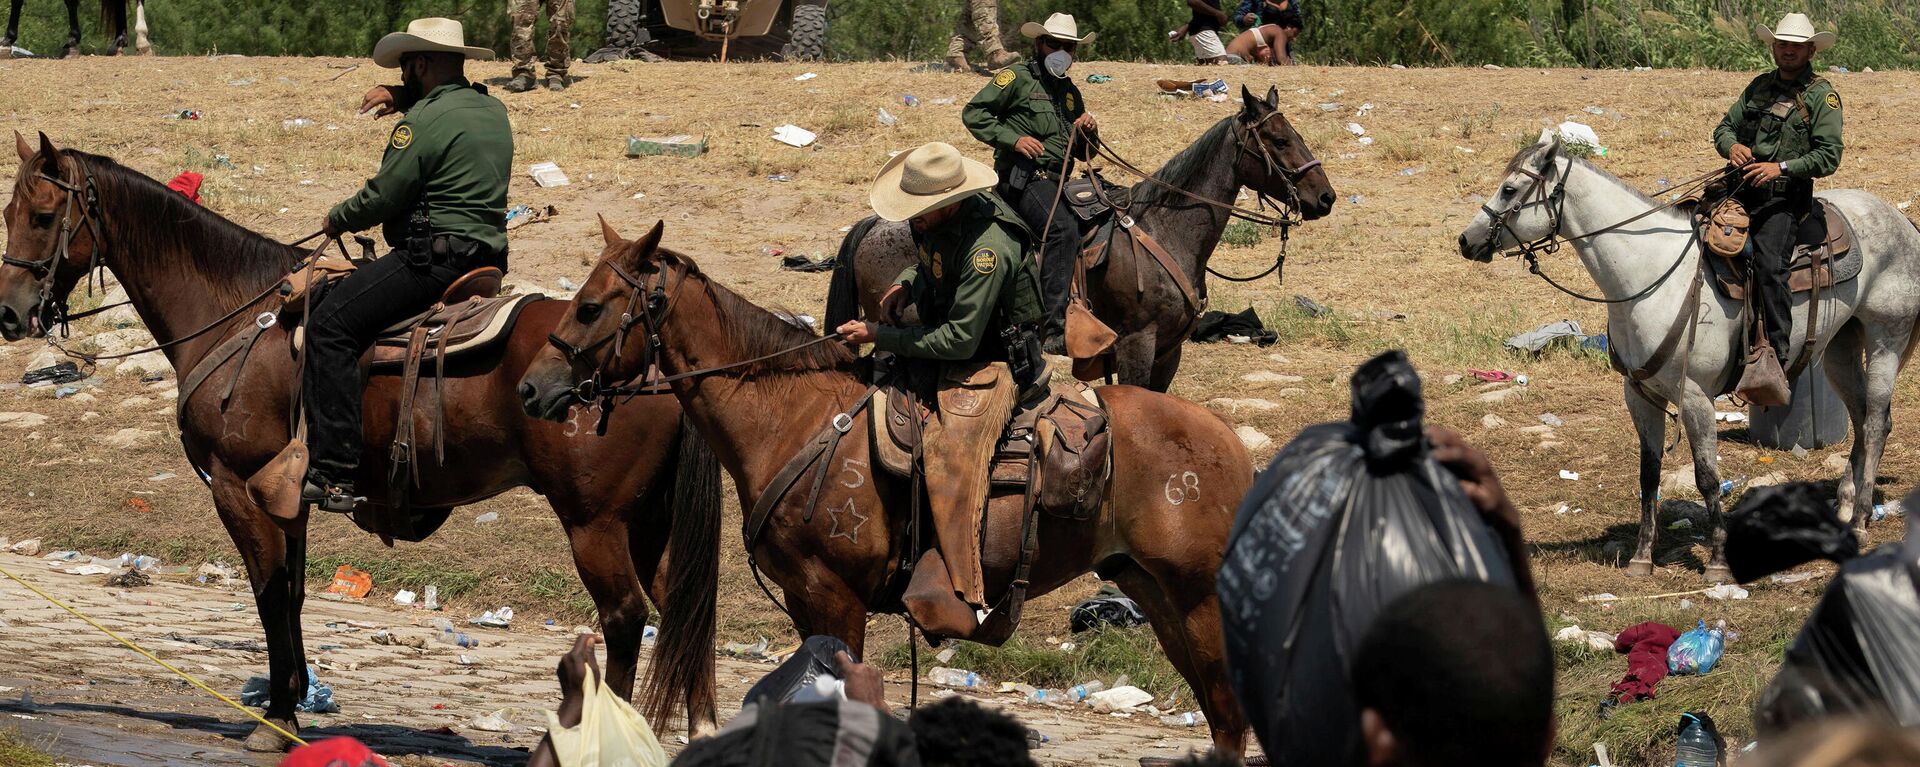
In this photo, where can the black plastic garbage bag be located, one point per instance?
(1216, 326)
(1858, 654)
(1348, 517)
(1105, 611)
(1775, 529)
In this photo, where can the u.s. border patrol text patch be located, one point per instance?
(1833, 100)
(403, 137)
(984, 260)
(1004, 79)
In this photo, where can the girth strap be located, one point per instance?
(1662, 354)
(824, 443)
(234, 345)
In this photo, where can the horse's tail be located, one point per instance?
(682, 671)
(113, 17)
(843, 294)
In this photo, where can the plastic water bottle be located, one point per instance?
(953, 677)
(432, 601)
(1082, 691)
(1189, 719)
(1696, 748)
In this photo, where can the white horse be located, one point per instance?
(1646, 270)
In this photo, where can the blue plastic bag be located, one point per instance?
(319, 698)
(1696, 651)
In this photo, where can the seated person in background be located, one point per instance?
(1456, 674)
(1203, 32)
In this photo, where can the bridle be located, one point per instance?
(652, 313)
(72, 217)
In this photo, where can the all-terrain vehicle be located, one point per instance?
(697, 29)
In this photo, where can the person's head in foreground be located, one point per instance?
(1455, 674)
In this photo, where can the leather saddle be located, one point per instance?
(1822, 258)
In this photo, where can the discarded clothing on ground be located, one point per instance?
(1348, 517)
(58, 373)
(1105, 611)
(1858, 654)
(333, 752)
(1645, 646)
(318, 700)
(1775, 529)
(1216, 326)
(794, 262)
(187, 184)
(1538, 339)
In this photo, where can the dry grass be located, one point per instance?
(1390, 251)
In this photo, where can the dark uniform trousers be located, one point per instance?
(1062, 242)
(1777, 221)
(347, 322)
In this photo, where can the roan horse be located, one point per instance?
(1646, 268)
(113, 15)
(1185, 207)
(761, 388)
(184, 267)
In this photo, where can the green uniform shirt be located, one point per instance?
(452, 153)
(1795, 122)
(972, 278)
(1020, 103)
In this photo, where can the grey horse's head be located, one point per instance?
(1521, 209)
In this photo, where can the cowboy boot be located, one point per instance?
(932, 604)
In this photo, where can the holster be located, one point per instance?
(420, 244)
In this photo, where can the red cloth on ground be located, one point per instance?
(187, 183)
(1646, 648)
(333, 752)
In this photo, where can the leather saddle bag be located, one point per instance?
(1726, 230)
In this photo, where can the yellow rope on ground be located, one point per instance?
(150, 656)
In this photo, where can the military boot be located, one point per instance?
(1001, 59)
(520, 83)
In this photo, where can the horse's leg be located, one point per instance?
(1696, 416)
(606, 568)
(1188, 626)
(115, 14)
(1133, 358)
(275, 554)
(1845, 364)
(73, 30)
(1164, 367)
(13, 29)
(1650, 423)
(1883, 367)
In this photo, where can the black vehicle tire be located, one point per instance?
(809, 34)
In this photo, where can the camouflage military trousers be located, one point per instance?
(523, 13)
(979, 24)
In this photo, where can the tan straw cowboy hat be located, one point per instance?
(430, 35)
(1059, 26)
(926, 177)
(1795, 28)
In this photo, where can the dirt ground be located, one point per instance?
(1384, 262)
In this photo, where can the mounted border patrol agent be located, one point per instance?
(979, 303)
(440, 198)
(1025, 114)
(1784, 130)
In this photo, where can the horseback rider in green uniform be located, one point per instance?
(440, 199)
(979, 306)
(1784, 130)
(1025, 114)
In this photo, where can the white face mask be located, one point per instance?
(1057, 63)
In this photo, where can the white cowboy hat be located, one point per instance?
(1795, 28)
(1059, 26)
(926, 177)
(430, 35)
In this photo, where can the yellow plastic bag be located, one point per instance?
(611, 733)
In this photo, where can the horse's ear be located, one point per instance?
(606, 231)
(20, 145)
(1251, 105)
(1552, 153)
(47, 149)
(649, 244)
(1273, 96)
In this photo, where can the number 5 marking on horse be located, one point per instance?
(850, 477)
(1183, 488)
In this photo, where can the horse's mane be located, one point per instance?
(759, 332)
(157, 220)
(1179, 170)
(1527, 153)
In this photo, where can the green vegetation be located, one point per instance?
(1579, 33)
(14, 752)
(1104, 653)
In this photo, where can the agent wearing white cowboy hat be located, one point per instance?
(1026, 114)
(979, 310)
(440, 199)
(1784, 130)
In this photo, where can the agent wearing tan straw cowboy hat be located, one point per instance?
(1026, 114)
(979, 310)
(1784, 130)
(440, 199)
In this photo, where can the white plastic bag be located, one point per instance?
(610, 733)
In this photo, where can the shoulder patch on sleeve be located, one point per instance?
(402, 136)
(1004, 79)
(984, 260)
(1833, 100)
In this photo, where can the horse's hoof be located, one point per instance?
(1639, 568)
(266, 740)
(1719, 574)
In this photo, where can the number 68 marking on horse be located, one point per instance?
(1183, 488)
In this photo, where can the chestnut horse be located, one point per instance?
(761, 389)
(185, 268)
(1185, 206)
